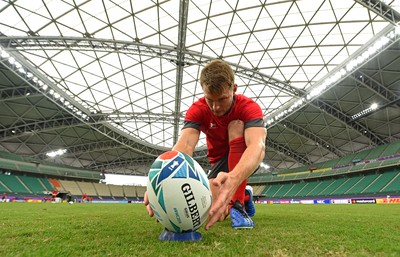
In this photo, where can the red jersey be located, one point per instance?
(199, 116)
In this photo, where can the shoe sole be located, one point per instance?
(243, 228)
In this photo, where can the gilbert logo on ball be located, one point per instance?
(179, 192)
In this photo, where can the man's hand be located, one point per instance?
(227, 186)
(146, 203)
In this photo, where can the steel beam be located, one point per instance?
(20, 43)
(17, 92)
(180, 63)
(309, 135)
(377, 87)
(361, 129)
(383, 10)
(288, 152)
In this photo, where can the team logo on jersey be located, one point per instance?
(213, 125)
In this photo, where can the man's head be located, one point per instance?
(217, 81)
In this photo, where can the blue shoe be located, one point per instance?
(249, 205)
(239, 218)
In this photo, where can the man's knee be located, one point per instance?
(235, 129)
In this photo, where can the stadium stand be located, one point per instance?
(15, 185)
(258, 189)
(29, 185)
(373, 171)
(130, 192)
(103, 191)
(379, 157)
(393, 185)
(370, 172)
(46, 184)
(16, 163)
(57, 185)
(26, 176)
(4, 188)
(87, 188)
(117, 192)
(140, 190)
(358, 185)
(380, 182)
(33, 184)
(71, 187)
(321, 186)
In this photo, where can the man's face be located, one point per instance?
(219, 104)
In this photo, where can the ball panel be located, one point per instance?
(161, 199)
(189, 160)
(168, 155)
(170, 167)
(181, 172)
(157, 164)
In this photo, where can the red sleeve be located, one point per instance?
(195, 113)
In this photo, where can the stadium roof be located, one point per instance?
(110, 81)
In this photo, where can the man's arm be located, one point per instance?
(229, 182)
(187, 141)
(186, 144)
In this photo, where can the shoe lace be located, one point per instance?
(238, 206)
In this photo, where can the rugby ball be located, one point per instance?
(179, 192)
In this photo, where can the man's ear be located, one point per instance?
(235, 86)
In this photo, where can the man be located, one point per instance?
(235, 135)
(54, 194)
(84, 198)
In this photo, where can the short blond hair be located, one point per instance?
(217, 75)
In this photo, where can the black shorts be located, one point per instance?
(221, 166)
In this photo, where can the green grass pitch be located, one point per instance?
(45, 229)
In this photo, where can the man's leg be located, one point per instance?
(237, 146)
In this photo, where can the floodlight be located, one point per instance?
(4, 54)
(11, 60)
(56, 153)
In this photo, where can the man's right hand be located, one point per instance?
(147, 204)
(226, 185)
